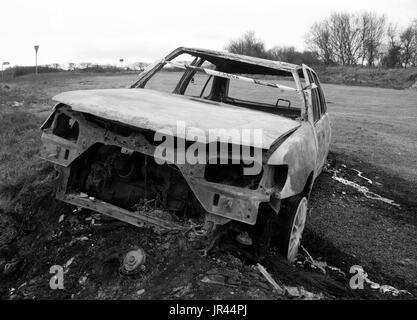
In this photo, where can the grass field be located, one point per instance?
(375, 125)
(373, 130)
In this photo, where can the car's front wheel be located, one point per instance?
(291, 223)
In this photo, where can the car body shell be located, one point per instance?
(298, 146)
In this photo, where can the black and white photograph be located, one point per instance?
(210, 155)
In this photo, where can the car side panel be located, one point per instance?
(299, 152)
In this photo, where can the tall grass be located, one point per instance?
(20, 166)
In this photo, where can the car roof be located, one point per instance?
(234, 61)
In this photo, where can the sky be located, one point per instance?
(105, 31)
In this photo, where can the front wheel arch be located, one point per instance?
(288, 214)
(309, 185)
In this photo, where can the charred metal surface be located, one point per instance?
(134, 218)
(236, 203)
(228, 62)
(299, 153)
(103, 144)
(144, 109)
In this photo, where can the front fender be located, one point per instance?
(299, 153)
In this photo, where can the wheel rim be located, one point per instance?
(297, 229)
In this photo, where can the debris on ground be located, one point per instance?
(309, 262)
(11, 266)
(181, 291)
(301, 293)
(244, 238)
(82, 280)
(133, 262)
(279, 289)
(364, 190)
(297, 292)
(67, 264)
(360, 175)
(325, 268)
(140, 292)
(17, 104)
(7, 230)
(194, 232)
(153, 208)
(78, 239)
(226, 276)
(214, 279)
(384, 289)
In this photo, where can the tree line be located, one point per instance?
(249, 44)
(16, 71)
(365, 39)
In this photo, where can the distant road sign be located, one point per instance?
(36, 59)
(5, 63)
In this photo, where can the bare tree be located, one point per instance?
(337, 39)
(408, 40)
(318, 39)
(291, 55)
(392, 34)
(372, 33)
(345, 38)
(414, 60)
(248, 45)
(392, 58)
(287, 54)
(85, 65)
(348, 39)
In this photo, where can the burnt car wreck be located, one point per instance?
(104, 147)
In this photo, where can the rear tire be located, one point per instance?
(292, 218)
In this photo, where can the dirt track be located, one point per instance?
(344, 227)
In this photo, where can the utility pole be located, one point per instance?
(2, 70)
(36, 59)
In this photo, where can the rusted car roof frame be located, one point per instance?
(280, 68)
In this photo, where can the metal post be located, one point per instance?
(36, 59)
(2, 70)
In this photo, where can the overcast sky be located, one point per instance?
(137, 30)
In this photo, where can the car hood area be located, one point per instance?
(158, 111)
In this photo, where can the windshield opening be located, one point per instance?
(227, 81)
